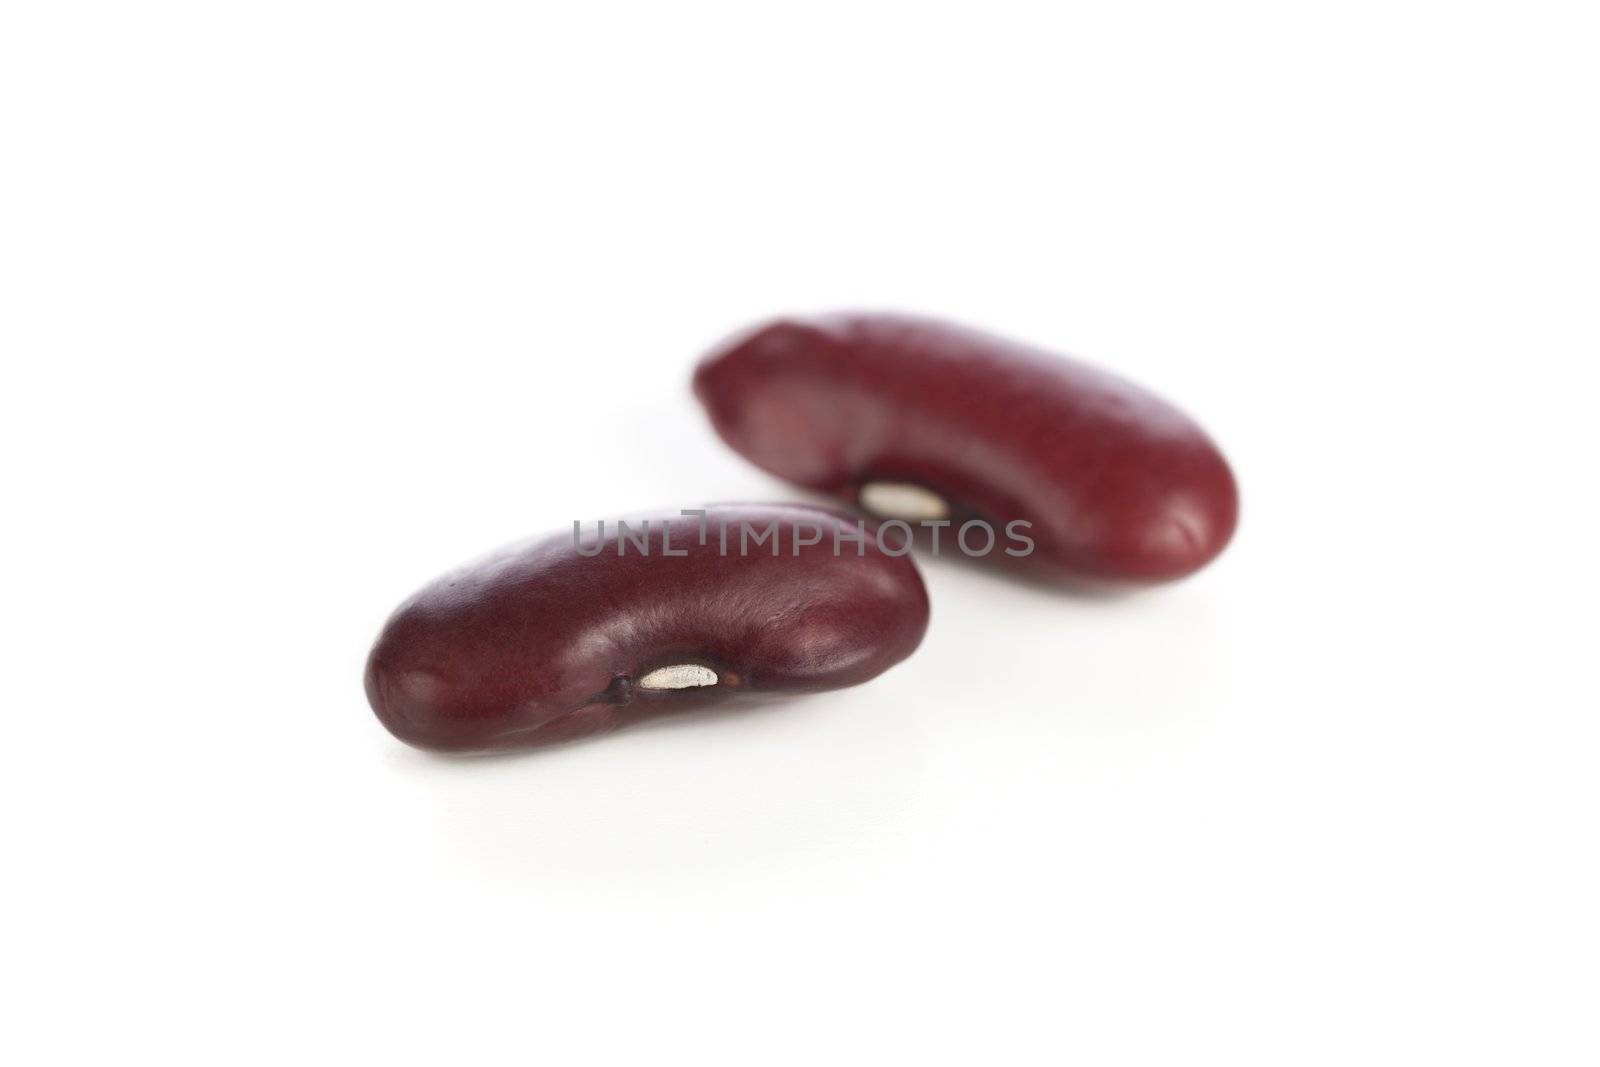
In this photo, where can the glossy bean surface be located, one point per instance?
(919, 419)
(558, 638)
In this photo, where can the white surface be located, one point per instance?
(303, 303)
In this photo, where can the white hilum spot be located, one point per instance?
(679, 676)
(903, 500)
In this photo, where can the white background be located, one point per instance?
(303, 303)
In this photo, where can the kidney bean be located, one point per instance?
(562, 637)
(917, 419)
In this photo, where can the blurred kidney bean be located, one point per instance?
(917, 419)
(566, 636)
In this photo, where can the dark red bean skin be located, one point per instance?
(538, 643)
(1120, 487)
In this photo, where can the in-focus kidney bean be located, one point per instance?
(562, 637)
(923, 420)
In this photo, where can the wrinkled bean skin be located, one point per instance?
(1120, 487)
(539, 643)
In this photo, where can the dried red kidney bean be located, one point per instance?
(918, 419)
(552, 640)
